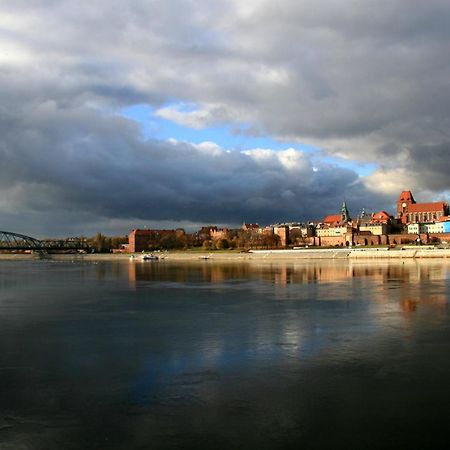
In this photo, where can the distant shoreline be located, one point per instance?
(261, 255)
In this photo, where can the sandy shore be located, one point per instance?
(260, 255)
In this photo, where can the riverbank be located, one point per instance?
(261, 255)
(359, 253)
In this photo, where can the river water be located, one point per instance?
(203, 355)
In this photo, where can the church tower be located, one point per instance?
(345, 216)
(405, 200)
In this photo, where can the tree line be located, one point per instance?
(235, 239)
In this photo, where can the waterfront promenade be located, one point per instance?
(266, 255)
(359, 253)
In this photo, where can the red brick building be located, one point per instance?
(282, 231)
(141, 240)
(408, 211)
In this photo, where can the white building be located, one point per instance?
(429, 228)
(331, 231)
(377, 229)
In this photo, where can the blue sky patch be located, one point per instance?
(231, 138)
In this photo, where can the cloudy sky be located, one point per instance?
(165, 113)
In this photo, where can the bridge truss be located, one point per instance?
(20, 242)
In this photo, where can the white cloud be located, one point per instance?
(198, 118)
(390, 182)
(195, 119)
(289, 159)
(209, 148)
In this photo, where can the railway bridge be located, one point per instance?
(19, 242)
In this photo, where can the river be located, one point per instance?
(208, 355)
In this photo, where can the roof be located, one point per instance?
(427, 207)
(250, 226)
(381, 216)
(406, 196)
(147, 232)
(332, 218)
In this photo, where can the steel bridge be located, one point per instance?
(20, 242)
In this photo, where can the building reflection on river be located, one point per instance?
(401, 281)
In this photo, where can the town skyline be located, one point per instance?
(139, 115)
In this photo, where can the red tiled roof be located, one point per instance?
(332, 218)
(406, 196)
(427, 207)
(381, 216)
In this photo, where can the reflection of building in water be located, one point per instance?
(215, 274)
(285, 272)
(405, 283)
(409, 285)
(282, 277)
(410, 303)
(187, 272)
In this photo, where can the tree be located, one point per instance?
(295, 236)
(270, 240)
(222, 244)
(171, 242)
(117, 241)
(100, 243)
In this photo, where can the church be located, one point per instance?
(408, 211)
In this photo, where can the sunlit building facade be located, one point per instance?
(408, 211)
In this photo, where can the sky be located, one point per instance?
(181, 113)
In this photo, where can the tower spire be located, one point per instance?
(345, 216)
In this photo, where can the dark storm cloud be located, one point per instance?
(72, 162)
(433, 163)
(364, 80)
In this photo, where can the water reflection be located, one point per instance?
(206, 355)
(410, 283)
(285, 272)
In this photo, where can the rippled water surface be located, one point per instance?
(202, 355)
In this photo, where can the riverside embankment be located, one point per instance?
(360, 253)
(264, 255)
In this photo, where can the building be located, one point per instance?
(332, 220)
(218, 234)
(429, 228)
(334, 229)
(377, 229)
(377, 224)
(409, 211)
(250, 227)
(338, 219)
(282, 231)
(341, 230)
(381, 217)
(331, 231)
(446, 226)
(142, 240)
